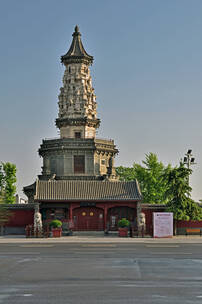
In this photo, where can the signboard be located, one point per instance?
(87, 204)
(162, 224)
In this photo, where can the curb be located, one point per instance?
(107, 240)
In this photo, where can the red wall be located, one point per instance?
(21, 218)
(149, 218)
(179, 224)
(189, 224)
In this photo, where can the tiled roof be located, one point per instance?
(76, 51)
(20, 206)
(65, 190)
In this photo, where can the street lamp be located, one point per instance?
(189, 161)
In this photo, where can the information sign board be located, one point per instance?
(162, 224)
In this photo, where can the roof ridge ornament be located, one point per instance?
(76, 31)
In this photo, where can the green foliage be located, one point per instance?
(179, 191)
(123, 223)
(7, 183)
(125, 173)
(2, 182)
(164, 185)
(55, 224)
(151, 177)
(5, 214)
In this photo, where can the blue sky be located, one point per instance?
(147, 75)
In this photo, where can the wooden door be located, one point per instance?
(88, 219)
(79, 164)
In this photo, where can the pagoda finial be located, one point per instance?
(76, 29)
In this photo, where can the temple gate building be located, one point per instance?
(78, 183)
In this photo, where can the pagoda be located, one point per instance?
(77, 154)
(78, 181)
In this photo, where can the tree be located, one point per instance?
(151, 177)
(7, 191)
(1, 182)
(5, 214)
(7, 183)
(180, 203)
(126, 173)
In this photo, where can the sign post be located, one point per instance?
(162, 224)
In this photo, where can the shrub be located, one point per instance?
(123, 223)
(55, 224)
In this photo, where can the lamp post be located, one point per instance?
(189, 161)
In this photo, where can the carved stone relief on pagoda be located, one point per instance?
(77, 98)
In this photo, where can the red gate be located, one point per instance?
(88, 219)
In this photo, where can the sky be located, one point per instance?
(147, 75)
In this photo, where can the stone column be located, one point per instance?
(105, 218)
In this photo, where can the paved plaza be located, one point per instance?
(81, 269)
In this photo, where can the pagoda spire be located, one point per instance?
(76, 53)
(77, 115)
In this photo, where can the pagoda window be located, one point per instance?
(77, 134)
(69, 69)
(79, 164)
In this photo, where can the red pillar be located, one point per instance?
(105, 217)
(71, 225)
(70, 212)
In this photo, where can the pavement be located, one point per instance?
(100, 273)
(97, 269)
(15, 239)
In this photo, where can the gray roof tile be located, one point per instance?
(66, 190)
